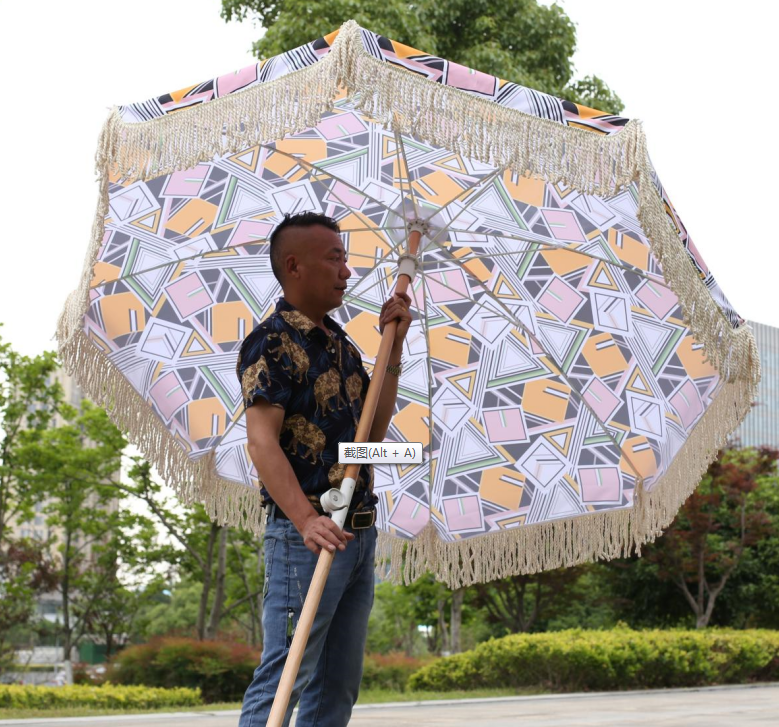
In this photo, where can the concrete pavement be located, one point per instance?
(731, 706)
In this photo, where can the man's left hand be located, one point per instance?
(397, 308)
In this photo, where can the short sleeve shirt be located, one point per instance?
(320, 383)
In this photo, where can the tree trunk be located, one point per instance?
(412, 629)
(219, 591)
(201, 614)
(67, 632)
(442, 629)
(456, 619)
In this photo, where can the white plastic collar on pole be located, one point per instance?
(347, 490)
(407, 265)
(418, 226)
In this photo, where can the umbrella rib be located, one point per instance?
(510, 318)
(206, 253)
(402, 148)
(426, 330)
(486, 181)
(317, 168)
(448, 226)
(556, 247)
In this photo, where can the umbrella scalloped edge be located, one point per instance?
(503, 137)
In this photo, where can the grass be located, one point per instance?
(367, 696)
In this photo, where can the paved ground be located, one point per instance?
(749, 706)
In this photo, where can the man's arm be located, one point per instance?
(263, 427)
(396, 308)
(385, 407)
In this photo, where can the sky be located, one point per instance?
(684, 68)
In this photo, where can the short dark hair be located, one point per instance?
(302, 219)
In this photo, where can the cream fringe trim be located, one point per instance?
(563, 543)
(395, 97)
(474, 127)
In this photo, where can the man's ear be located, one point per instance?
(291, 266)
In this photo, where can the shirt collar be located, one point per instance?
(303, 323)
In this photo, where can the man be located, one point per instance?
(304, 386)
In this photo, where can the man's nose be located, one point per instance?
(348, 272)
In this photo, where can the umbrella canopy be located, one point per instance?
(573, 366)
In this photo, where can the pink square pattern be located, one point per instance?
(189, 294)
(687, 403)
(169, 395)
(506, 428)
(560, 299)
(410, 515)
(564, 225)
(462, 513)
(600, 484)
(187, 182)
(602, 400)
(340, 125)
(658, 298)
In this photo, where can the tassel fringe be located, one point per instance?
(564, 543)
(474, 127)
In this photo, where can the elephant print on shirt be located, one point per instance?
(307, 434)
(295, 353)
(326, 387)
(251, 378)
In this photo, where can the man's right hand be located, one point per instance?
(319, 531)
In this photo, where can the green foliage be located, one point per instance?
(728, 516)
(106, 696)
(28, 402)
(220, 670)
(389, 671)
(522, 41)
(173, 613)
(578, 660)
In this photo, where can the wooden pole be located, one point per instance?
(319, 579)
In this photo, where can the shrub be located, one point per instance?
(389, 671)
(221, 670)
(106, 696)
(576, 660)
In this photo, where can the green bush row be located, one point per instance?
(220, 670)
(389, 671)
(620, 658)
(106, 696)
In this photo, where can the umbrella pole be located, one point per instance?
(319, 579)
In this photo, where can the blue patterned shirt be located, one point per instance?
(321, 384)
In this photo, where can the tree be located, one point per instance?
(227, 564)
(519, 41)
(26, 572)
(71, 468)
(29, 398)
(717, 526)
(517, 602)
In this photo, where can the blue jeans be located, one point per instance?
(329, 678)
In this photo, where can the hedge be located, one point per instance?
(222, 671)
(389, 671)
(106, 696)
(621, 658)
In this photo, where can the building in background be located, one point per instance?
(761, 425)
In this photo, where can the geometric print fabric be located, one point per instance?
(548, 365)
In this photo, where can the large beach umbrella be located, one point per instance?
(573, 366)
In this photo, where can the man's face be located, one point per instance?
(321, 265)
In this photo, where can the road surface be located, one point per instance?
(733, 706)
